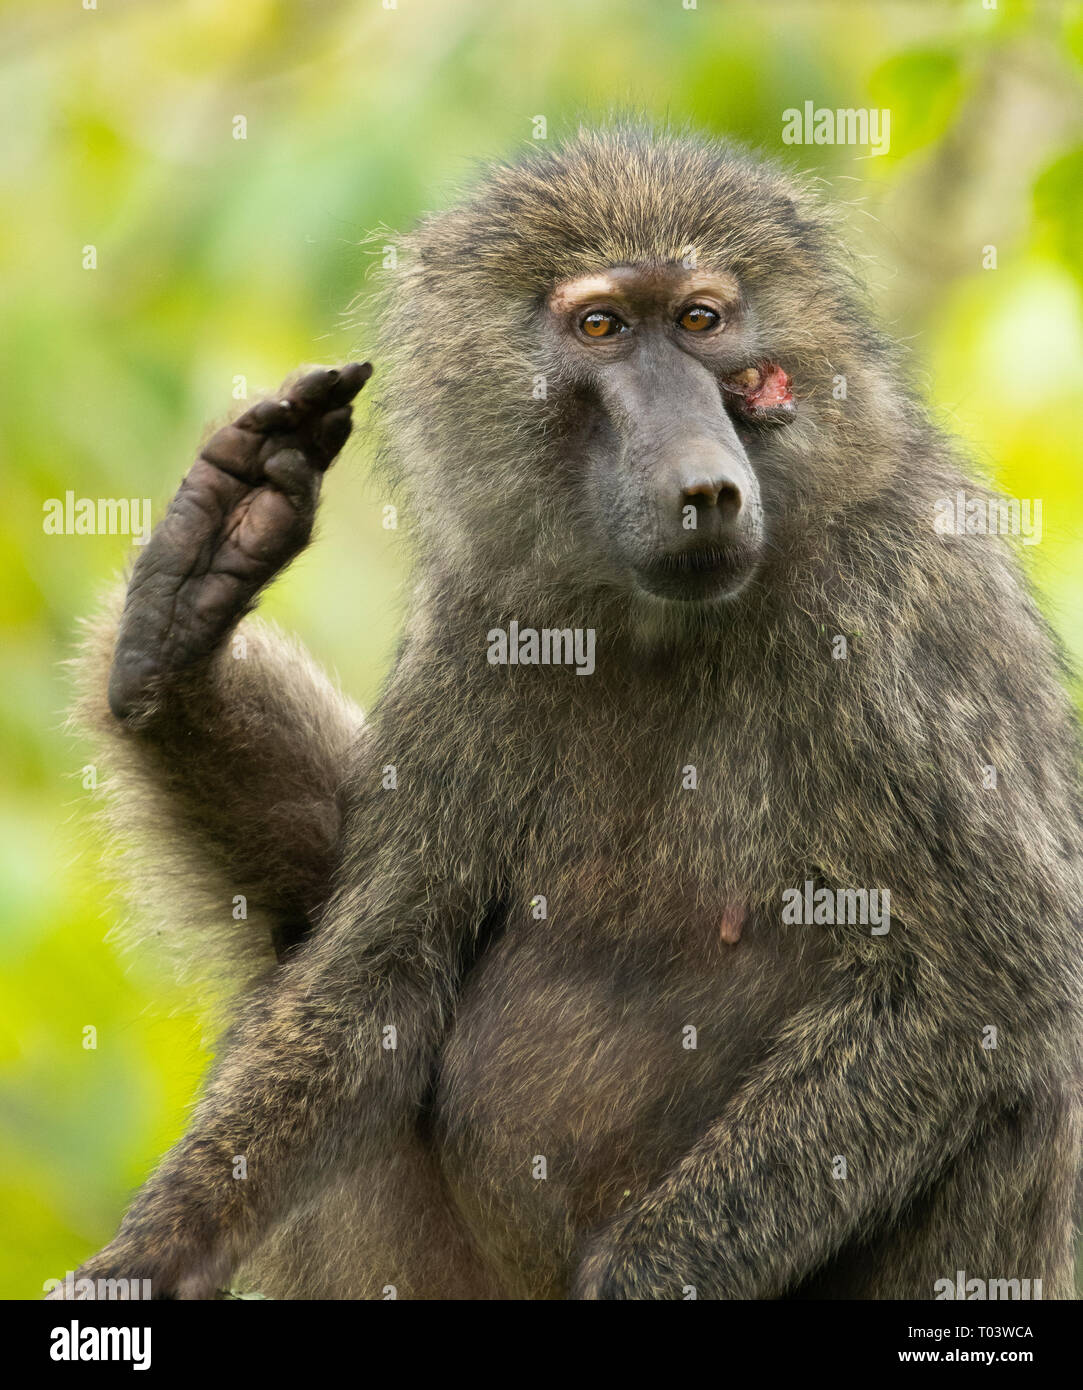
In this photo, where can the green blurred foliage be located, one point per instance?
(220, 257)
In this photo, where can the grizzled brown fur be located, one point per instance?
(561, 1038)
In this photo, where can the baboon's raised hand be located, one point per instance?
(242, 513)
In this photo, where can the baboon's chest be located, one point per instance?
(590, 1049)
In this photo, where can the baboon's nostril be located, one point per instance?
(715, 492)
(701, 487)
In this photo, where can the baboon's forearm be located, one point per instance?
(223, 744)
(232, 783)
(833, 1132)
(330, 1061)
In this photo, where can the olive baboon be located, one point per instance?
(540, 1024)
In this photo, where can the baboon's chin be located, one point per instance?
(703, 577)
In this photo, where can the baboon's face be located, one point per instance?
(668, 394)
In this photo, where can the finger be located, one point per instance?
(278, 413)
(290, 471)
(329, 387)
(234, 450)
(313, 389)
(350, 380)
(333, 431)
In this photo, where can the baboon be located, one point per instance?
(528, 1015)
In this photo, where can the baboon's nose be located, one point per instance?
(702, 489)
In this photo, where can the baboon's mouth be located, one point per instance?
(700, 574)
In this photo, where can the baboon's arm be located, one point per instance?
(880, 1078)
(237, 751)
(224, 756)
(230, 793)
(311, 1080)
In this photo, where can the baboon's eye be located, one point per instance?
(697, 318)
(602, 325)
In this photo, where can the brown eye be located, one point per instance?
(602, 325)
(697, 318)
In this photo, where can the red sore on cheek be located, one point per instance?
(773, 389)
(764, 391)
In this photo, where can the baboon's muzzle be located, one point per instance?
(701, 525)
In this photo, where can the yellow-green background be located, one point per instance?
(219, 257)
